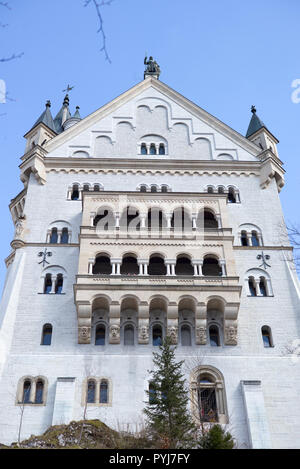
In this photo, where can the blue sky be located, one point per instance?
(222, 55)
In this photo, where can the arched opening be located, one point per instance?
(103, 392)
(48, 284)
(46, 335)
(254, 238)
(164, 188)
(104, 220)
(143, 149)
(211, 267)
(157, 335)
(244, 238)
(252, 287)
(100, 335)
(220, 190)
(262, 286)
(186, 336)
(156, 219)
(129, 266)
(214, 337)
(267, 336)
(207, 400)
(129, 335)
(39, 391)
(157, 266)
(184, 266)
(210, 221)
(102, 265)
(59, 284)
(231, 198)
(181, 220)
(210, 190)
(143, 189)
(162, 150)
(26, 392)
(152, 149)
(64, 236)
(96, 188)
(54, 236)
(130, 219)
(75, 192)
(91, 391)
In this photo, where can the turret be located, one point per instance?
(259, 134)
(42, 131)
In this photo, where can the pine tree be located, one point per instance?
(168, 419)
(216, 438)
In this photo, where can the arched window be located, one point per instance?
(103, 392)
(100, 335)
(143, 188)
(186, 336)
(162, 150)
(26, 392)
(157, 336)
(214, 338)
(102, 266)
(156, 266)
(64, 236)
(231, 195)
(86, 188)
(91, 392)
(54, 236)
(210, 221)
(220, 190)
(207, 400)
(143, 149)
(152, 149)
(130, 220)
(254, 238)
(128, 335)
(153, 189)
(47, 335)
(75, 192)
(211, 267)
(262, 286)
(164, 188)
(252, 288)
(210, 190)
(96, 188)
(152, 393)
(129, 266)
(267, 336)
(244, 238)
(184, 266)
(59, 284)
(39, 392)
(48, 284)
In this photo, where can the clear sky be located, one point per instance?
(224, 55)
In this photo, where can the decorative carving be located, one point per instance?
(231, 335)
(19, 227)
(84, 335)
(114, 334)
(173, 334)
(201, 335)
(143, 334)
(44, 255)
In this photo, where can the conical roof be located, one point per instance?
(255, 123)
(46, 118)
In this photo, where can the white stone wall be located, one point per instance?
(25, 309)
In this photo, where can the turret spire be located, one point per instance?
(46, 118)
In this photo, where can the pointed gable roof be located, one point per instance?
(46, 118)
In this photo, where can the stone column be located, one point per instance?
(114, 323)
(91, 265)
(219, 220)
(53, 280)
(92, 218)
(143, 323)
(222, 264)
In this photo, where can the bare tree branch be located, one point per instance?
(98, 6)
(12, 57)
(5, 4)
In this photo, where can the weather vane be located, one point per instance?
(69, 88)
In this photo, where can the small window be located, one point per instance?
(48, 284)
(86, 188)
(164, 188)
(231, 196)
(39, 392)
(59, 284)
(153, 189)
(214, 338)
(75, 193)
(244, 238)
(152, 149)
(210, 190)
(254, 238)
(26, 392)
(162, 150)
(267, 336)
(252, 287)
(143, 149)
(100, 335)
(91, 392)
(157, 336)
(103, 392)
(143, 189)
(96, 188)
(47, 335)
(262, 286)
(54, 236)
(64, 236)
(220, 190)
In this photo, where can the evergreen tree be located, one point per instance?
(168, 419)
(216, 438)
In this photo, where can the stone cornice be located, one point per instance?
(263, 248)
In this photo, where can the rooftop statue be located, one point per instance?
(152, 67)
